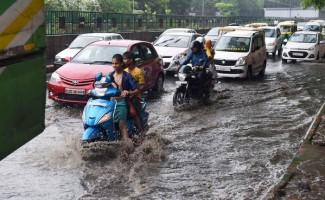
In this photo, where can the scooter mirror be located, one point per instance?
(98, 76)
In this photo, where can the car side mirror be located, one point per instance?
(322, 42)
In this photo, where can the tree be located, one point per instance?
(115, 6)
(226, 9)
(179, 7)
(153, 6)
(318, 4)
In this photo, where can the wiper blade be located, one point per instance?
(75, 47)
(174, 42)
(164, 41)
(98, 62)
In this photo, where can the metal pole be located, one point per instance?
(202, 7)
(290, 8)
(133, 7)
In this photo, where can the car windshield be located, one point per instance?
(233, 44)
(270, 33)
(213, 31)
(96, 54)
(303, 38)
(82, 41)
(315, 28)
(179, 41)
(285, 29)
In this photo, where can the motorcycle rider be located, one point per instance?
(198, 57)
(135, 104)
(128, 87)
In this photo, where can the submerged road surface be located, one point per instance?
(235, 148)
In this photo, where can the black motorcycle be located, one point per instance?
(195, 82)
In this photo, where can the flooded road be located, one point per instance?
(235, 148)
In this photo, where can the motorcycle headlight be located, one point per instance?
(55, 77)
(241, 61)
(105, 118)
(181, 76)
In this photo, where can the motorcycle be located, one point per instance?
(192, 85)
(99, 112)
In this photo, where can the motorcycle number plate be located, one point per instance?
(181, 82)
(223, 68)
(75, 91)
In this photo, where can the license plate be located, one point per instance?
(181, 82)
(74, 91)
(297, 54)
(223, 68)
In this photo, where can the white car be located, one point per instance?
(304, 45)
(273, 40)
(80, 42)
(240, 54)
(172, 47)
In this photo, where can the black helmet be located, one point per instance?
(196, 44)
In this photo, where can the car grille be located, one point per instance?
(234, 71)
(304, 54)
(225, 62)
(73, 97)
(166, 65)
(77, 82)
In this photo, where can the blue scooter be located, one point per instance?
(99, 112)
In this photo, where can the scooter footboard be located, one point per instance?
(91, 133)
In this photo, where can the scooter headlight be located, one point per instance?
(181, 76)
(105, 118)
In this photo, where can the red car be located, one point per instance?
(71, 82)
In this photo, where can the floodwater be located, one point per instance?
(235, 148)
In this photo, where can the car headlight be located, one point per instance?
(55, 77)
(105, 118)
(285, 47)
(311, 49)
(179, 56)
(270, 44)
(241, 61)
(181, 76)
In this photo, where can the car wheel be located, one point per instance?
(262, 72)
(159, 86)
(249, 73)
(317, 58)
(273, 53)
(280, 52)
(284, 61)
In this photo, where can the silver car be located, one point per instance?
(174, 47)
(80, 42)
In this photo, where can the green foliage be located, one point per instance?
(226, 9)
(179, 7)
(115, 6)
(318, 4)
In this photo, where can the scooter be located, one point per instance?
(191, 86)
(99, 112)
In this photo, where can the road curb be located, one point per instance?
(277, 190)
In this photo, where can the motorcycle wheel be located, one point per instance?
(178, 98)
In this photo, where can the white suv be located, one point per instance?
(241, 54)
(304, 45)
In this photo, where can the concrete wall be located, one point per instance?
(56, 43)
(291, 13)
